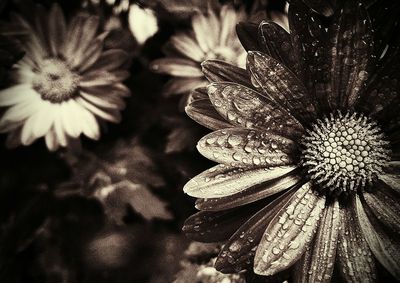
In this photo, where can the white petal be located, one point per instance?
(89, 125)
(111, 116)
(14, 94)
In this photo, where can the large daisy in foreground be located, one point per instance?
(307, 141)
(65, 84)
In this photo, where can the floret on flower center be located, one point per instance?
(55, 81)
(344, 153)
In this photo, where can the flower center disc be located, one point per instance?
(54, 81)
(344, 153)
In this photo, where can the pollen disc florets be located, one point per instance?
(344, 153)
(55, 81)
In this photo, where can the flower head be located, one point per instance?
(67, 82)
(307, 141)
(212, 36)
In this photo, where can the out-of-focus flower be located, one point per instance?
(66, 84)
(212, 36)
(142, 23)
(307, 141)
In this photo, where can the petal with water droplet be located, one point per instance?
(289, 232)
(242, 106)
(203, 112)
(215, 226)
(383, 202)
(220, 71)
(385, 248)
(222, 180)
(251, 194)
(352, 52)
(239, 252)
(355, 260)
(277, 43)
(240, 147)
(318, 261)
(281, 85)
(391, 180)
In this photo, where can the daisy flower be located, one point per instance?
(66, 84)
(307, 144)
(212, 36)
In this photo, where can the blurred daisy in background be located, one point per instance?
(212, 36)
(142, 23)
(67, 83)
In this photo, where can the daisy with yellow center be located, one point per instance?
(66, 84)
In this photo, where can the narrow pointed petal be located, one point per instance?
(239, 252)
(352, 51)
(251, 194)
(385, 248)
(203, 112)
(222, 180)
(243, 147)
(277, 43)
(245, 107)
(385, 206)
(220, 71)
(177, 86)
(281, 85)
(289, 232)
(57, 29)
(187, 46)
(355, 260)
(211, 226)
(318, 261)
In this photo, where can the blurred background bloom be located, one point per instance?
(66, 84)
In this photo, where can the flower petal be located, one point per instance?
(14, 95)
(247, 34)
(383, 202)
(111, 116)
(215, 226)
(110, 60)
(353, 47)
(251, 194)
(239, 252)
(356, 262)
(203, 112)
(176, 67)
(187, 46)
(277, 44)
(51, 140)
(229, 19)
(57, 29)
(312, 48)
(243, 147)
(385, 248)
(183, 85)
(242, 106)
(317, 263)
(89, 56)
(204, 32)
(220, 71)
(281, 85)
(102, 78)
(222, 180)
(289, 232)
(391, 180)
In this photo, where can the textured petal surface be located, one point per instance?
(352, 51)
(318, 261)
(385, 248)
(239, 252)
(281, 85)
(277, 44)
(222, 180)
(203, 112)
(243, 147)
(356, 262)
(242, 106)
(289, 232)
(220, 71)
(391, 180)
(251, 194)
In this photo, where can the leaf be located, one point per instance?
(115, 199)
